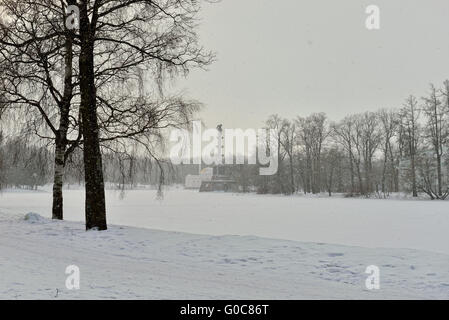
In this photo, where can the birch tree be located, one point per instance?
(36, 51)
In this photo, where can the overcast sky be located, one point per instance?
(295, 57)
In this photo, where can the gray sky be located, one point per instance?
(295, 57)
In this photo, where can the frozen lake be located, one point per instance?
(371, 223)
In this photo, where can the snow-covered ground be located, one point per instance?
(412, 224)
(225, 246)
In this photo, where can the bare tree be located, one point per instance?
(436, 129)
(332, 163)
(133, 33)
(371, 137)
(312, 131)
(35, 49)
(410, 115)
(287, 142)
(343, 133)
(304, 141)
(280, 126)
(389, 123)
(116, 41)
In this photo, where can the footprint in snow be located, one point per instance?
(335, 254)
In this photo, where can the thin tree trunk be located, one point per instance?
(331, 181)
(359, 175)
(414, 189)
(351, 168)
(292, 179)
(440, 188)
(384, 168)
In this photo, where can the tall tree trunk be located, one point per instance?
(309, 170)
(318, 174)
(359, 175)
(351, 168)
(384, 168)
(93, 166)
(394, 171)
(292, 179)
(440, 188)
(414, 188)
(331, 176)
(61, 135)
(57, 210)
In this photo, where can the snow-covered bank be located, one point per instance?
(373, 223)
(128, 263)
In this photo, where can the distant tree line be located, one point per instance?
(26, 165)
(366, 154)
